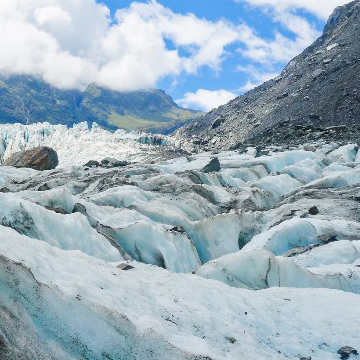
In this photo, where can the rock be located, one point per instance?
(39, 158)
(299, 250)
(79, 208)
(92, 163)
(313, 210)
(310, 148)
(106, 162)
(58, 209)
(260, 153)
(125, 267)
(314, 116)
(282, 96)
(327, 238)
(111, 162)
(232, 340)
(178, 229)
(336, 128)
(317, 73)
(217, 122)
(212, 166)
(346, 351)
(43, 187)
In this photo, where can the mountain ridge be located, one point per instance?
(27, 100)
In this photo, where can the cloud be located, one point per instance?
(72, 43)
(320, 8)
(280, 48)
(256, 76)
(206, 99)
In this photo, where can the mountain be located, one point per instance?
(26, 100)
(318, 89)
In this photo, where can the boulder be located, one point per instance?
(313, 210)
(346, 351)
(39, 158)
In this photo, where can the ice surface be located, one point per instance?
(91, 309)
(78, 144)
(346, 153)
(286, 225)
(260, 269)
(68, 232)
(302, 232)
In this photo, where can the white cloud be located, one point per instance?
(256, 76)
(281, 48)
(206, 99)
(72, 43)
(320, 8)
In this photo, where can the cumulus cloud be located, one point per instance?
(206, 99)
(71, 43)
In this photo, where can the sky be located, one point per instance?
(202, 52)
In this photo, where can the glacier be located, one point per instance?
(80, 143)
(160, 259)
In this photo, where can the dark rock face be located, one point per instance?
(317, 91)
(39, 158)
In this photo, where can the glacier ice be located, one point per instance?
(72, 306)
(78, 144)
(212, 254)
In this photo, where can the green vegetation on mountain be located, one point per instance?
(26, 100)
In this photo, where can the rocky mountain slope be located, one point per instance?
(318, 89)
(27, 100)
(256, 256)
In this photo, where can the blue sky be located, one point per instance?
(201, 52)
